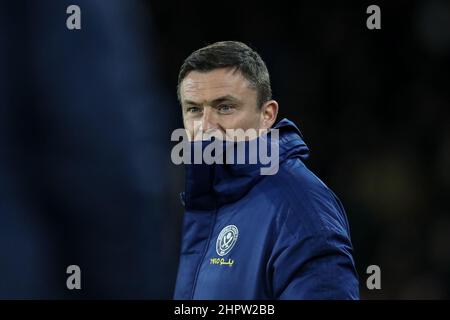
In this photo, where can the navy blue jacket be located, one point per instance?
(250, 236)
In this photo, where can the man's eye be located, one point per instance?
(193, 109)
(226, 108)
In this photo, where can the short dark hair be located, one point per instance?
(230, 54)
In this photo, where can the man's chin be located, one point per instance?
(234, 135)
(209, 135)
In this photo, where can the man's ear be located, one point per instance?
(269, 112)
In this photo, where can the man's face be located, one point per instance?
(218, 100)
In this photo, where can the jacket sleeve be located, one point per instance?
(312, 256)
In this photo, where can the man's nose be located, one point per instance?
(208, 120)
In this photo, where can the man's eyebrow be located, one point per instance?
(191, 103)
(226, 98)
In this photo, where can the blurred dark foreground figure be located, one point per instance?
(82, 166)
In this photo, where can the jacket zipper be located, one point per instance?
(213, 223)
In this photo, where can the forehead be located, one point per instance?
(200, 86)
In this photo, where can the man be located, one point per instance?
(248, 235)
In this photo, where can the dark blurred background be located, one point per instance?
(86, 117)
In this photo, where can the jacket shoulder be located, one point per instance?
(309, 205)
